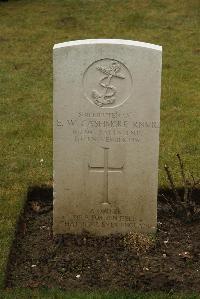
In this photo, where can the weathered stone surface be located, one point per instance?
(106, 136)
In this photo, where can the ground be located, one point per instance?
(168, 261)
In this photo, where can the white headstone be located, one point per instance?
(106, 136)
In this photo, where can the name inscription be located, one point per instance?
(106, 127)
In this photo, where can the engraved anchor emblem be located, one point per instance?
(109, 92)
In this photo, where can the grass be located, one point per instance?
(58, 294)
(28, 31)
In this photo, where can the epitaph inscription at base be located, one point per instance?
(106, 136)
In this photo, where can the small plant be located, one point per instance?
(138, 242)
(183, 205)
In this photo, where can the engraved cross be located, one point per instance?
(105, 169)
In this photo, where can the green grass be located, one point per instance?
(28, 31)
(58, 294)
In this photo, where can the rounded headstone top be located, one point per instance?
(108, 41)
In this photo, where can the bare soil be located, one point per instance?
(86, 262)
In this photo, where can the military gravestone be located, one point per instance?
(106, 136)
